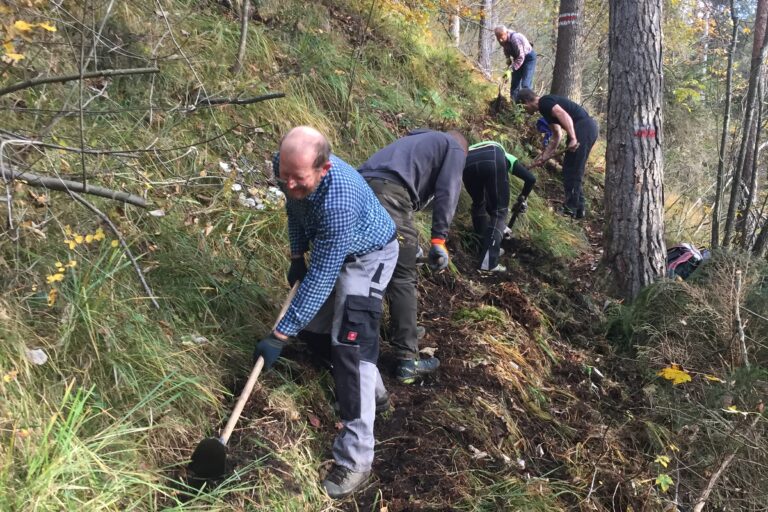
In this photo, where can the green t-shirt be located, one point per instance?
(510, 158)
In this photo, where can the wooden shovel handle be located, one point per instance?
(246, 393)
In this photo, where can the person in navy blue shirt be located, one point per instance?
(333, 213)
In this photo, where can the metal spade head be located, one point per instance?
(209, 459)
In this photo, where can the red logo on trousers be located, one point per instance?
(351, 336)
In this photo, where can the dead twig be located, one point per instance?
(737, 320)
(244, 15)
(63, 185)
(704, 496)
(123, 243)
(210, 102)
(68, 78)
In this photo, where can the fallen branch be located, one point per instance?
(123, 243)
(209, 102)
(72, 186)
(68, 78)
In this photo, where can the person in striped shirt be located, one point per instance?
(333, 213)
(521, 58)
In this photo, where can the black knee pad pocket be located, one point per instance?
(360, 325)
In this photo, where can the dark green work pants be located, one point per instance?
(401, 292)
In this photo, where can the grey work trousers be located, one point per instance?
(401, 292)
(352, 314)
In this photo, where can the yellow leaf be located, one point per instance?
(11, 375)
(713, 378)
(52, 297)
(23, 26)
(47, 26)
(114, 243)
(99, 236)
(79, 239)
(72, 264)
(88, 239)
(67, 230)
(53, 278)
(15, 57)
(674, 447)
(58, 264)
(675, 374)
(71, 244)
(663, 460)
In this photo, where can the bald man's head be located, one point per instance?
(304, 161)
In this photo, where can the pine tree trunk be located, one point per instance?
(744, 161)
(715, 238)
(634, 198)
(566, 77)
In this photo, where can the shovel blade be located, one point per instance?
(209, 459)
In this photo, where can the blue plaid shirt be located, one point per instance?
(341, 218)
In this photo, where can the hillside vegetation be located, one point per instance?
(104, 396)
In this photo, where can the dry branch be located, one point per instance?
(209, 102)
(68, 78)
(244, 15)
(123, 243)
(72, 186)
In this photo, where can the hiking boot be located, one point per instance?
(410, 369)
(566, 212)
(343, 481)
(580, 213)
(497, 269)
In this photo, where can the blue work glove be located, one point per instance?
(438, 255)
(297, 270)
(269, 348)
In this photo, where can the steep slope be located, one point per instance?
(527, 413)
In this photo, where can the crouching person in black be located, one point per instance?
(486, 178)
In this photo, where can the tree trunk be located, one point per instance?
(566, 77)
(456, 28)
(748, 222)
(634, 198)
(245, 14)
(758, 55)
(715, 238)
(484, 38)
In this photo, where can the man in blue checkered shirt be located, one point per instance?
(332, 211)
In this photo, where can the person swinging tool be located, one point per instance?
(354, 252)
(521, 59)
(486, 178)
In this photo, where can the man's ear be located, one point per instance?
(326, 167)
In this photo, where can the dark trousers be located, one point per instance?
(575, 162)
(486, 178)
(401, 292)
(523, 76)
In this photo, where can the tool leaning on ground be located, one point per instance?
(210, 457)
